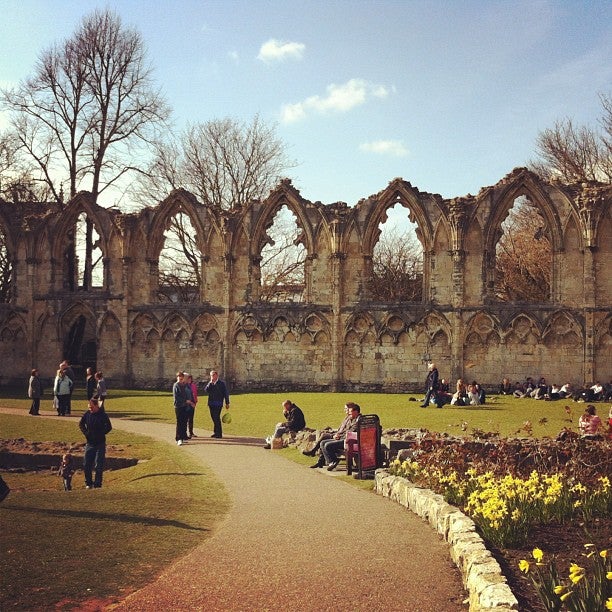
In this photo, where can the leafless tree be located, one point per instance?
(180, 274)
(282, 261)
(577, 153)
(89, 105)
(524, 256)
(225, 163)
(6, 272)
(397, 267)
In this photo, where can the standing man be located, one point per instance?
(69, 372)
(431, 385)
(182, 404)
(35, 392)
(94, 424)
(217, 394)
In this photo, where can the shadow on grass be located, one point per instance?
(97, 516)
(231, 440)
(166, 474)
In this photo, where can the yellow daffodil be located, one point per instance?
(576, 578)
(609, 603)
(565, 596)
(609, 575)
(538, 555)
(603, 554)
(524, 565)
(559, 589)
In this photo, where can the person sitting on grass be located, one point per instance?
(589, 423)
(295, 421)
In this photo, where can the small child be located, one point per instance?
(66, 470)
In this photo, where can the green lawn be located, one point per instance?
(52, 533)
(256, 414)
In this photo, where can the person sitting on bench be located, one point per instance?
(330, 449)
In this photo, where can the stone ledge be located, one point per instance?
(482, 577)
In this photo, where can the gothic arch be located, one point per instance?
(398, 192)
(179, 201)
(283, 195)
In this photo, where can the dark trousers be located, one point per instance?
(94, 461)
(63, 405)
(35, 407)
(215, 415)
(181, 423)
(190, 416)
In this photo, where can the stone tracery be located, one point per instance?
(337, 338)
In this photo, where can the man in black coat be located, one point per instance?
(94, 424)
(295, 421)
(431, 385)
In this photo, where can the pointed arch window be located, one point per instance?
(523, 255)
(397, 260)
(283, 258)
(6, 271)
(83, 257)
(180, 263)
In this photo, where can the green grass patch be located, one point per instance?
(68, 547)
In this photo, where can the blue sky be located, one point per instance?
(447, 95)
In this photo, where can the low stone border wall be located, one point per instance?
(482, 576)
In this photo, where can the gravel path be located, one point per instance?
(299, 539)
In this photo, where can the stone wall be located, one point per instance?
(337, 337)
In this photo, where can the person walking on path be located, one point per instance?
(94, 424)
(217, 395)
(34, 392)
(181, 394)
(69, 372)
(431, 385)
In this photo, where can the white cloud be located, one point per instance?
(385, 147)
(277, 51)
(339, 98)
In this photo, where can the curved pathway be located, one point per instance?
(295, 538)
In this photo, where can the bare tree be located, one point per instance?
(6, 272)
(524, 256)
(89, 105)
(180, 274)
(577, 154)
(282, 261)
(397, 267)
(225, 163)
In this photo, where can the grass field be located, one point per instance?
(59, 549)
(256, 414)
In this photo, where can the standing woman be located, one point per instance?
(90, 383)
(194, 397)
(101, 389)
(35, 392)
(62, 388)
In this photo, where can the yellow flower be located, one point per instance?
(524, 565)
(576, 578)
(609, 575)
(559, 589)
(603, 554)
(575, 569)
(609, 603)
(565, 596)
(538, 555)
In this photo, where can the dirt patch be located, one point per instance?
(24, 455)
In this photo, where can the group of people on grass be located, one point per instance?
(437, 391)
(541, 390)
(63, 388)
(185, 398)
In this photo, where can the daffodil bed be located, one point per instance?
(553, 496)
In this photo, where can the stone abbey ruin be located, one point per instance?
(336, 337)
